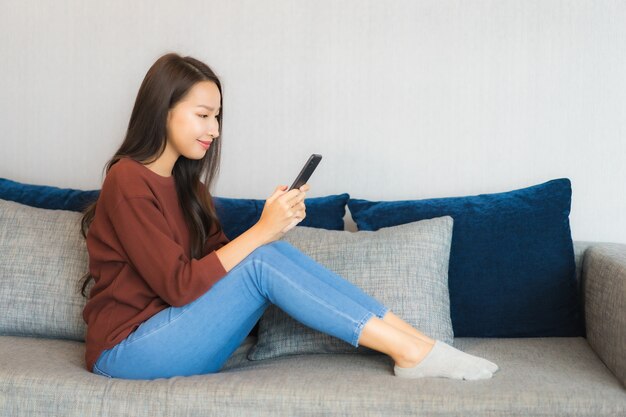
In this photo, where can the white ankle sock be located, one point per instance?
(448, 362)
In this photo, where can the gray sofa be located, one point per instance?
(42, 369)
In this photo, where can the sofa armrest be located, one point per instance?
(603, 286)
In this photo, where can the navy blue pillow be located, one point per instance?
(47, 197)
(512, 271)
(237, 214)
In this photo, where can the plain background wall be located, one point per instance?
(404, 99)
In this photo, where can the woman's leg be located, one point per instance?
(332, 279)
(409, 348)
(402, 325)
(358, 295)
(199, 337)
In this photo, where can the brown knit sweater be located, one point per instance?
(139, 255)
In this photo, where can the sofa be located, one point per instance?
(580, 371)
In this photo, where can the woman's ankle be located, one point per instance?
(414, 354)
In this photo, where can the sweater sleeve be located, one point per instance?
(151, 250)
(214, 244)
(218, 242)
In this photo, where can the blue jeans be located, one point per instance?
(199, 337)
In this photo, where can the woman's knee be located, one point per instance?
(268, 251)
(271, 247)
(280, 244)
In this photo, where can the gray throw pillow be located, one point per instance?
(405, 267)
(42, 258)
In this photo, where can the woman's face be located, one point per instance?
(194, 119)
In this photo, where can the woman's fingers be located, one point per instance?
(295, 199)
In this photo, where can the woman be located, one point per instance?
(172, 295)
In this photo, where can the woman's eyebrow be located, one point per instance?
(206, 107)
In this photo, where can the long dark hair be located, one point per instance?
(166, 82)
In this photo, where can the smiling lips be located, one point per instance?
(205, 144)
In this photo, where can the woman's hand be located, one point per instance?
(282, 211)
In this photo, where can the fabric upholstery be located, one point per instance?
(512, 267)
(44, 376)
(604, 292)
(42, 258)
(538, 377)
(404, 267)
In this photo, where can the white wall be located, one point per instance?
(404, 99)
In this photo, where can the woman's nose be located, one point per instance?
(213, 131)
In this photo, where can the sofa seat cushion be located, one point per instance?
(538, 376)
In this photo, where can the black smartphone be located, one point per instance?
(306, 171)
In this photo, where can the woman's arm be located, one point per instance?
(237, 249)
(282, 211)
